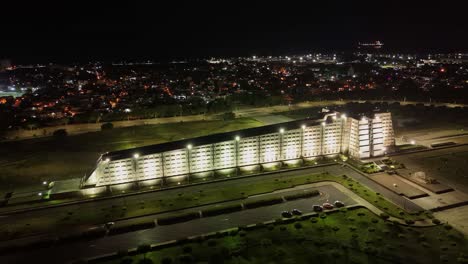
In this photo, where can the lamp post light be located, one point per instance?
(237, 138)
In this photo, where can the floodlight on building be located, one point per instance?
(334, 117)
(189, 146)
(107, 160)
(237, 138)
(136, 155)
(363, 119)
(40, 194)
(343, 116)
(323, 123)
(281, 130)
(303, 127)
(412, 142)
(44, 183)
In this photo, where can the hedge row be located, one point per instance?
(222, 210)
(259, 203)
(178, 218)
(301, 195)
(130, 227)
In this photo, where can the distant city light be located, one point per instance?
(127, 110)
(412, 142)
(44, 182)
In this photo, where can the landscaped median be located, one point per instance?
(350, 235)
(237, 189)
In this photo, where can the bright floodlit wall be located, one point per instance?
(248, 151)
(370, 137)
(334, 134)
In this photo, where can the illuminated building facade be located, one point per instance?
(336, 133)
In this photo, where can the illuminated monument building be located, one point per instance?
(358, 136)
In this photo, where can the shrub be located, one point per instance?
(143, 248)
(126, 261)
(187, 249)
(302, 195)
(178, 218)
(211, 242)
(298, 225)
(166, 260)
(229, 116)
(145, 261)
(185, 258)
(384, 216)
(222, 210)
(122, 253)
(107, 126)
(60, 133)
(259, 203)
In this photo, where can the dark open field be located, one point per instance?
(28, 162)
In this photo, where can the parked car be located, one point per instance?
(327, 206)
(296, 212)
(317, 208)
(339, 204)
(109, 224)
(286, 214)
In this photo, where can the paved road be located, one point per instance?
(133, 201)
(51, 214)
(245, 112)
(83, 249)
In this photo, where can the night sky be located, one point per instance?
(78, 32)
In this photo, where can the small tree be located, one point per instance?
(166, 260)
(126, 261)
(60, 133)
(143, 249)
(229, 116)
(145, 261)
(107, 126)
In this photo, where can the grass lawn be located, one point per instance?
(29, 162)
(452, 166)
(347, 236)
(312, 112)
(98, 213)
